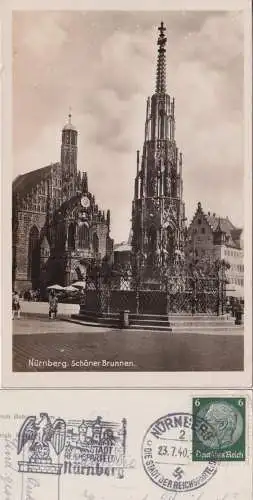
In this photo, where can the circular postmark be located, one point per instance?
(167, 455)
(218, 425)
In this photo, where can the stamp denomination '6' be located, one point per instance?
(219, 429)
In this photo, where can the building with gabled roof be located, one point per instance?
(211, 237)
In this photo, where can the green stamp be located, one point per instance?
(218, 431)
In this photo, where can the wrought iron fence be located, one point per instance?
(177, 293)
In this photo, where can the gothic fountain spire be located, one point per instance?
(161, 61)
(158, 221)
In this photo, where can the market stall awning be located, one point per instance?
(79, 284)
(70, 288)
(55, 287)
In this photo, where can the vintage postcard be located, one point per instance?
(159, 445)
(126, 194)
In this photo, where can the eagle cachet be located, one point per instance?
(79, 447)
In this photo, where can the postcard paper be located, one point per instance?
(126, 194)
(135, 444)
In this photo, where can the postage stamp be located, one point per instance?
(167, 455)
(77, 447)
(218, 431)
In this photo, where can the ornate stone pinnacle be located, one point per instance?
(161, 61)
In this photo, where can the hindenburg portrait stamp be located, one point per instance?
(218, 431)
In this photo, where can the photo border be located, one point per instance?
(235, 379)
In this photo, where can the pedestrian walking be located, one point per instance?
(53, 305)
(16, 305)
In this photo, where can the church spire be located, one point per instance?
(69, 125)
(161, 61)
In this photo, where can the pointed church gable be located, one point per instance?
(23, 184)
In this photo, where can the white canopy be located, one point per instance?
(70, 288)
(79, 284)
(55, 287)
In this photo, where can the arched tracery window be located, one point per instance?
(95, 243)
(83, 236)
(44, 248)
(71, 236)
(33, 268)
(61, 235)
(171, 241)
(152, 236)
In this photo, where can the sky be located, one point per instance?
(102, 65)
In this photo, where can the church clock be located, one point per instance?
(85, 202)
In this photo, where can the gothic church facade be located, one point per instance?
(58, 229)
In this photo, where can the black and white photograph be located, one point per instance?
(128, 191)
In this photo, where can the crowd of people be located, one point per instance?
(52, 301)
(234, 306)
(30, 295)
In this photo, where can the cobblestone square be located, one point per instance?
(73, 347)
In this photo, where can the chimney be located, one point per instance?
(208, 213)
(214, 214)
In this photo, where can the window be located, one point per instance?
(95, 242)
(152, 238)
(83, 234)
(33, 269)
(71, 236)
(199, 221)
(203, 230)
(61, 235)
